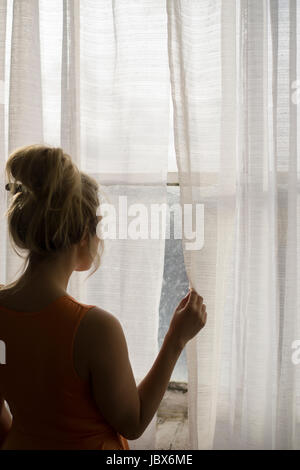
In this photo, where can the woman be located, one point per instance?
(67, 377)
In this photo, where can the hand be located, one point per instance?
(188, 319)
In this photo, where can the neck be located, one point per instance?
(51, 273)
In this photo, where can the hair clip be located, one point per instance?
(13, 187)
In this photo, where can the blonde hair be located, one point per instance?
(54, 205)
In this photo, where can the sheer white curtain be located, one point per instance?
(234, 66)
(93, 77)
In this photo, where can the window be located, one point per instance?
(175, 285)
(172, 423)
(175, 282)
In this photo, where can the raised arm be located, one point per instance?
(129, 408)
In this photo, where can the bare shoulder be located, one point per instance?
(107, 365)
(97, 329)
(97, 318)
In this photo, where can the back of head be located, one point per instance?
(53, 203)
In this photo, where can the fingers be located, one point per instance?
(184, 301)
(198, 301)
(195, 297)
(192, 298)
(203, 314)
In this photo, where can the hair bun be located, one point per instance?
(39, 169)
(56, 200)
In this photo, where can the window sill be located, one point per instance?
(172, 430)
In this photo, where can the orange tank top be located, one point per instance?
(52, 406)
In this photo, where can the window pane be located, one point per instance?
(175, 285)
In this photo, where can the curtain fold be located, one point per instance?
(24, 114)
(234, 67)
